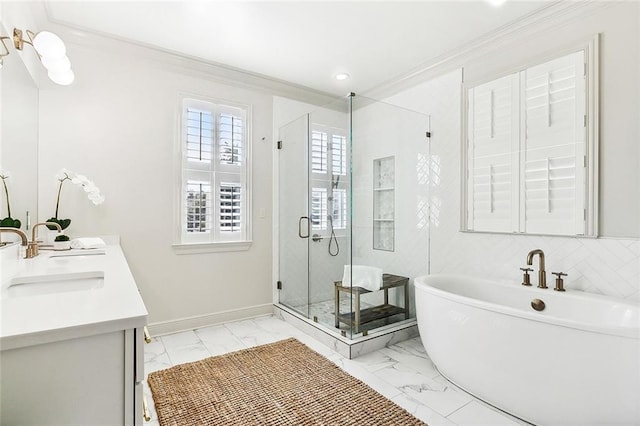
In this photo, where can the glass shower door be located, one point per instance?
(328, 177)
(293, 218)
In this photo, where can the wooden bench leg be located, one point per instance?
(337, 306)
(356, 308)
(406, 301)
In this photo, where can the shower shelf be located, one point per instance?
(384, 203)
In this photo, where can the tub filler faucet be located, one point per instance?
(542, 275)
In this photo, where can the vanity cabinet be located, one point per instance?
(91, 380)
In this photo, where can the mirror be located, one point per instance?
(19, 138)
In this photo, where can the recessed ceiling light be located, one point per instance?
(496, 3)
(342, 76)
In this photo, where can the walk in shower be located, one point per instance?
(353, 214)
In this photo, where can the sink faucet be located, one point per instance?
(21, 234)
(542, 275)
(32, 249)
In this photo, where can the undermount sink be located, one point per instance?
(55, 283)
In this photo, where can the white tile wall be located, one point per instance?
(609, 266)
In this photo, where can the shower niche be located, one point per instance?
(352, 191)
(383, 203)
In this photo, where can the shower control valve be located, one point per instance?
(526, 278)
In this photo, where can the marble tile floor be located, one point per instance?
(401, 372)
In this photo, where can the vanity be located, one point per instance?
(71, 338)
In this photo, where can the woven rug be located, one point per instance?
(282, 383)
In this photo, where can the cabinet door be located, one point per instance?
(72, 382)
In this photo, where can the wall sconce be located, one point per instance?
(51, 51)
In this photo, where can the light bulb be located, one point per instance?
(342, 76)
(63, 78)
(56, 65)
(49, 44)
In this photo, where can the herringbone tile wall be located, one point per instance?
(609, 266)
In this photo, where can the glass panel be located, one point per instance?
(293, 208)
(329, 246)
(390, 162)
(327, 177)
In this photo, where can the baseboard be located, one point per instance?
(199, 321)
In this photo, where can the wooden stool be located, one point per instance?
(358, 317)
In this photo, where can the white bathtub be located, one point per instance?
(577, 362)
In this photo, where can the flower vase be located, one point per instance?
(47, 236)
(62, 245)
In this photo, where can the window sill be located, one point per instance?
(196, 248)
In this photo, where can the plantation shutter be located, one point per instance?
(229, 207)
(319, 208)
(493, 122)
(214, 168)
(339, 213)
(199, 206)
(338, 154)
(319, 146)
(230, 174)
(553, 146)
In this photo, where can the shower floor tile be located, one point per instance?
(402, 372)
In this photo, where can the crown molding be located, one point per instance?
(185, 64)
(551, 16)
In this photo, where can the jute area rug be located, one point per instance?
(282, 383)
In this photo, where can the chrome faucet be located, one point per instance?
(23, 237)
(33, 248)
(542, 275)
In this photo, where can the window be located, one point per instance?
(328, 178)
(531, 150)
(214, 188)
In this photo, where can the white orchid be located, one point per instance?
(64, 174)
(8, 221)
(93, 192)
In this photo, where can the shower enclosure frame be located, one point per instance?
(301, 299)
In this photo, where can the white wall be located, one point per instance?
(118, 125)
(609, 266)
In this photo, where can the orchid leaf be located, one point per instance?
(64, 223)
(9, 222)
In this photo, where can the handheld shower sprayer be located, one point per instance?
(335, 180)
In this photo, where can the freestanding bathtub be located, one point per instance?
(577, 362)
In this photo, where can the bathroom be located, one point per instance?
(118, 124)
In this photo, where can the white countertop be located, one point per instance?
(75, 311)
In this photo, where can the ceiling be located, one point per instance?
(302, 42)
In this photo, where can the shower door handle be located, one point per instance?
(300, 227)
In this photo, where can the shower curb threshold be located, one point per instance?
(349, 348)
